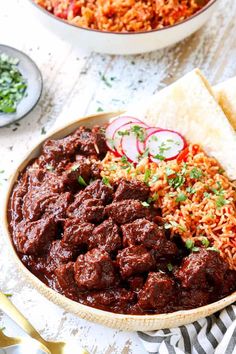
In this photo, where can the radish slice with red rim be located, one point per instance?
(164, 145)
(129, 148)
(140, 144)
(136, 129)
(114, 125)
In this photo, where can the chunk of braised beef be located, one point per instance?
(134, 260)
(34, 237)
(189, 299)
(105, 236)
(229, 284)
(131, 190)
(90, 210)
(94, 270)
(158, 291)
(142, 231)
(57, 150)
(16, 200)
(92, 143)
(165, 250)
(36, 204)
(99, 190)
(126, 211)
(58, 254)
(76, 233)
(80, 168)
(202, 269)
(96, 169)
(115, 300)
(65, 279)
(135, 283)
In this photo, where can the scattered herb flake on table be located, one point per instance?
(12, 84)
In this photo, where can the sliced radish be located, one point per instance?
(114, 125)
(140, 144)
(129, 148)
(119, 134)
(164, 145)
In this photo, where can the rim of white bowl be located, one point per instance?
(49, 14)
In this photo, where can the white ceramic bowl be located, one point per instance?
(119, 321)
(123, 43)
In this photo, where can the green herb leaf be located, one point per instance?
(189, 243)
(169, 171)
(153, 198)
(177, 181)
(82, 181)
(213, 249)
(99, 109)
(139, 132)
(196, 173)
(147, 175)
(221, 201)
(195, 249)
(169, 267)
(190, 190)
(159, 157)
(181, 198)
(104, 79)
(49, 167)
(123, 133)
(145, 204)
(43, 131)
(12, 84)
(174, 224)
(106, 181)
(154, 179)
(205, 241)
(207, 195)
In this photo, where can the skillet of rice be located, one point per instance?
(197, 199)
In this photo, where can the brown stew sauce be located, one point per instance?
(98, 244)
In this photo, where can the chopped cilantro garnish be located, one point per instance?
(190, 190)
(147, 175)
(154, 138)
(123, 133)
(104, 79)
(113, 167)
(195, 249)
(43, 131)
(74, 168)
(153, 198)
(82, 181)
(205, 241)
(145, 204)
(218, 191)
(181, 197)
(106, 181)
(124, 159)
(139, 132)
(154, 179)
(12, 84)
(99, 109)
(169, 267)
(189, 243)
(169, 171)
(196, 173)
(174, 224)
(144, 155)
(221, 201)
(177, 181)
(207, 195)
(212, 248)
(159, 157)
(221, 171)
(49, 167)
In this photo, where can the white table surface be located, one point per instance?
(73, 87)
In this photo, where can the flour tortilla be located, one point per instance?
(225, 94)
(189, 107)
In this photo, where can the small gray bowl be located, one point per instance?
(31, 73)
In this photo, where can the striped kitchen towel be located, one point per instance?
(215, 334)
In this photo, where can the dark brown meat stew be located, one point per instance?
(101, 244)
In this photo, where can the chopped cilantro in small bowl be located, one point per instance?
(20, 85)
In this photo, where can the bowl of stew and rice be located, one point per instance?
(131, 244)
(118, 27)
